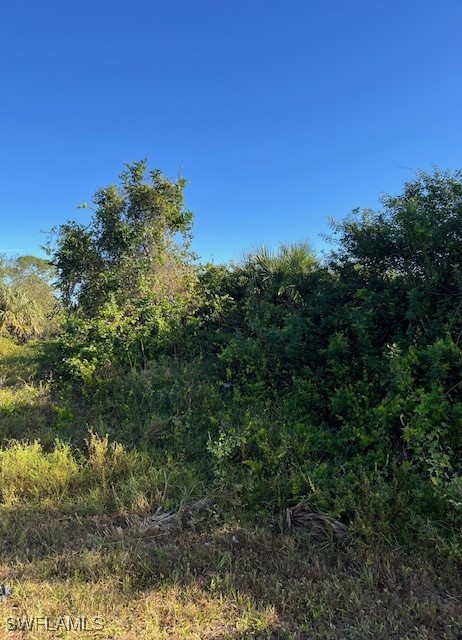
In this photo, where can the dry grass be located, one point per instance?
(199, 584)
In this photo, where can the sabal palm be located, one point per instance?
(19, 315)
(281, 272)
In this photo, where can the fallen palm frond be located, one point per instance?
(318, 525)
(169, 521)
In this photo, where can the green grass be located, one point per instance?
(26, 405)
(31, 406)
(18, 362)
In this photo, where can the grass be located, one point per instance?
(26, 404)
(70, 545)
(198, 584)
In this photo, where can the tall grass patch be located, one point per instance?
(27, 472)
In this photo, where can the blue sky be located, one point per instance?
(280, 113)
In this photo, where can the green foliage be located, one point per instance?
(130, 246)
(423, 405)
(364, 352)
(415, 240)
(125, 279)
(28, 306)
(280, 377)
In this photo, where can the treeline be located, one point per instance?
(284, 376)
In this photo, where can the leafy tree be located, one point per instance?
(127, 276)
(138, 234)
(415, 241)
(400, 272)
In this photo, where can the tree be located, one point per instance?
(400, 272)
(126, 279)
(138, 236)
(280, 275)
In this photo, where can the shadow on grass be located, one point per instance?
(31, 407)
(199, 582)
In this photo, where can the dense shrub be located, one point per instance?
(281, 376)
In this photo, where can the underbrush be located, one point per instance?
(177, 420)
(108, 479)
(70, 546)
(259, 455)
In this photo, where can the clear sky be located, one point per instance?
(280, 113)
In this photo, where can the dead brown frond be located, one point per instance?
(170, 521)
(318, 525)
